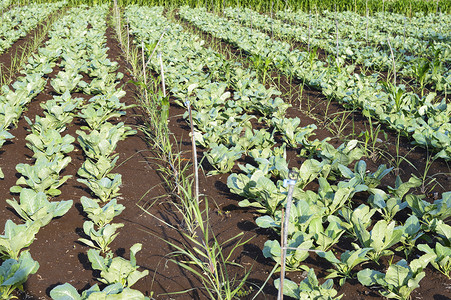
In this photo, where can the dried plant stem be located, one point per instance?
(195, 168)
(393, 60)
(144, 68)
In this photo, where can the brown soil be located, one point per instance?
(63, 259)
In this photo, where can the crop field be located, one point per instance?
(223, 149)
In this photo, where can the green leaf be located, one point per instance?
(64, 292)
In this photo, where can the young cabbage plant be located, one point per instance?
(276, 165)
(61, 107)
(292, 134)
(17, 237)
(325, 237)
(34, 206)
(332, 198)
(117, 269)
(402, 188)
(388, 205)
(14, 273)
(102, 108)
(104, 84)
(103, 141)
(301, 214)
(411, 233)
(379, 239)
(258, 139)
(43, 176)
(91, 169)
(96, 116)
(114, 291)
(443, 233)
(400, 279)
(343, 266)
(298, 247)
(259, 189)
(101, 215)
(275, 107)
(309, 288)
(4, 135)
(344, 154)
(49, 143)
(362, 214)
(66, 81)
(222, 158)
(105, 188)
(372, 180)
(430, 213)
(101, 238)
(206, 119)
(442, 257)
(59, 111)
(44, 124)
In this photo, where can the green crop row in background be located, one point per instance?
(407, 7)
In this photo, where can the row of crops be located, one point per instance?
(228, 104)
(18, 21)
(433, 27)
(77, 48)
(425, 119)
(227, 96)
(415, 58)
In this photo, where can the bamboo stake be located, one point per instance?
(336, 29)
(309, 25)
(367, 12)
(290, 182)
(405, 21)
(128, 38)
(163, 85)
(193, 143)
(272, 32)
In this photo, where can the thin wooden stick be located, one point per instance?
(309, 25)
(336, 29)
(367, 13)
(285, 221)
(163, 84)
(272, 32)
(405, 21)
(193, 144)
(128, 38)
